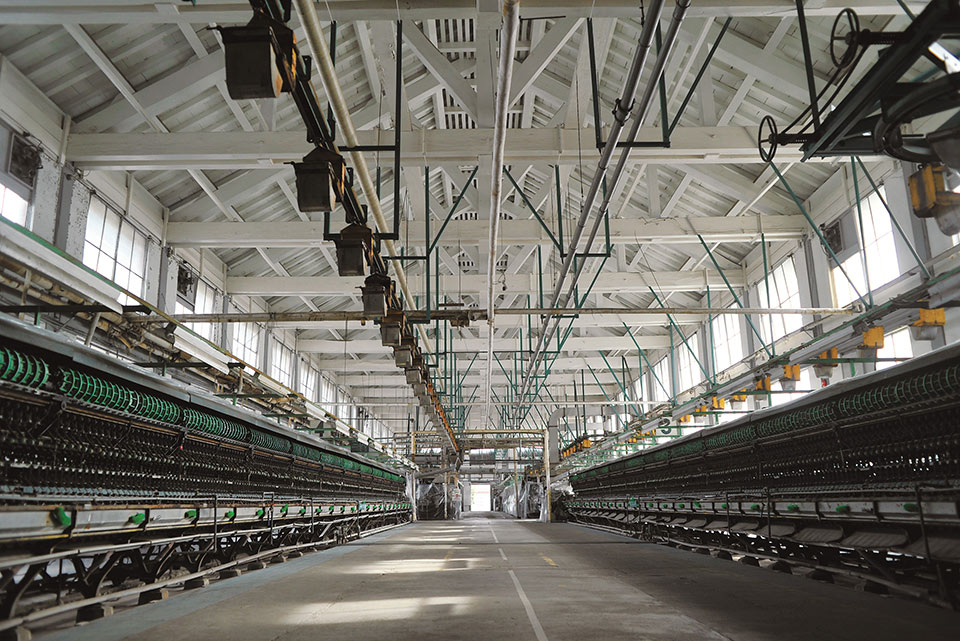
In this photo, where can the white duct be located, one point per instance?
(324, 63)
(328, 75)
(508, 51)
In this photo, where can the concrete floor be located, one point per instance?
(490, 578)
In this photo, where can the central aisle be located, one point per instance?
(499, 579)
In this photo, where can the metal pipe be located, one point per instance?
(508, 51)
(621, 111)
(588, 403)
(638, 119)
(550, 326)
(307, 317)
(331, 85)
(321, 56)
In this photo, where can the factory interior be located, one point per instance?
(536, 320)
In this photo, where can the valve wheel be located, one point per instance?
(767, 142)
(846, 30)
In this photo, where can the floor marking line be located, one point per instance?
(495, 539)
(502, 554)
(534, 621)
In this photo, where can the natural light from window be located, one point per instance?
(204, 303)
(727, 343)
(281, 363)
(13, 207)
(246, 342)
(784, 294)
(896, 344)
(881, 253)
(688, 366)
(115, 249)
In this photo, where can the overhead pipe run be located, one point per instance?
(475, 315)
(508, 51)
(321, 56)
(328, 75)
(638, 118)
(620, 114)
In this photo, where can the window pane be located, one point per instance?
(122, 277)
(125, 245)
(138, 261)
(90, 255)
(895, 345)
(784, 294)
(136, 285)
(14, 207)
(111, 229)
(95, 221)
(105, 265)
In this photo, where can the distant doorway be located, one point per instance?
(479, 497)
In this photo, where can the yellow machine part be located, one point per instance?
(931, 318)
(873, 338)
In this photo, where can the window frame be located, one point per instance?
(99, 256)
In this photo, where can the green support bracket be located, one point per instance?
(893, 219)
(532, 209)
(605, 395)
(616, 378)
(863, 242)
(643, 355)
(734, 294)
(683, 338)
(766, 280)
(816, 230)
(453, 209)
(696, 80)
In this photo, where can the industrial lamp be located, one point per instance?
(250, 59)
(403, 355)
(353, 243)
(391, 332)
(376, 291)
(320, 180)
(391, 328)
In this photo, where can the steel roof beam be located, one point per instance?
(519, 232)
(233, 12)
(240, 150)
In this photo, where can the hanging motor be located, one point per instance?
(250, 58)
(931, 198)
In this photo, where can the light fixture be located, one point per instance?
(354, 243)
(403, 356)
(376, 291)
(321, 178)
(251, 61)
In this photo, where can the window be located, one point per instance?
(895, 345)
(727, 343)
(115, 249)
(688, 367)
(328, 395)
(784, 294)
(636, 388)
(205, 303)
(12, 206)
(879, 249)
(659, 391)
(308, 380)
(281, 363)
(246, 342)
